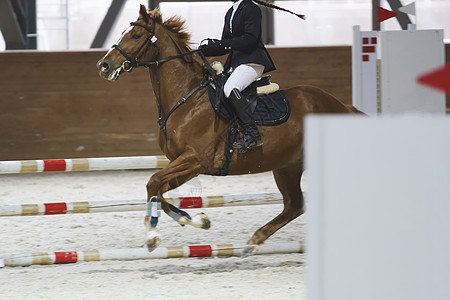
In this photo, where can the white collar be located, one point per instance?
(235, 7)
(236, 4)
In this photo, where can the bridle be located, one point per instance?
(132, 61)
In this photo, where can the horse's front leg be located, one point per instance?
(152, 215)
(175, 174)
(183, 218)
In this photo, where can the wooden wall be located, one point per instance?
(329, 68)
(54, 104)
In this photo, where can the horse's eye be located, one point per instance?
(136, 36)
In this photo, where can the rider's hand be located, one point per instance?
(215, 47)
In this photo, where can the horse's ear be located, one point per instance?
(143, 13)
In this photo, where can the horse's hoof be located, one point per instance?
(249, 250)
(183, 221)
(201, 221)
(152, 241)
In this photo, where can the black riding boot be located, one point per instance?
(251, 136)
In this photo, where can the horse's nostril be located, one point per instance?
(105, 67)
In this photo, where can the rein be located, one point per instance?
(133, 62)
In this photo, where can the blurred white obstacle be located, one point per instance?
(378, 203)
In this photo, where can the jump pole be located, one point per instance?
(136, 205)
(83, 164)
(220, 250)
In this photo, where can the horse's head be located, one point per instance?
(134, 45)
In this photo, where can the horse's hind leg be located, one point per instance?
(288, 182)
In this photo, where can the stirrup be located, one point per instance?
(246, 142)
(245, 149)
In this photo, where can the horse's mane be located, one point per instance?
(176, 25)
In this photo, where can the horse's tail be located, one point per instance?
(270, 5)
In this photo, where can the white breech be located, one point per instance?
(242, 77)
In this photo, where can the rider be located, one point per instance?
(248, 59)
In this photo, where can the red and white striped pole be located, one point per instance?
(83, 164)
(136, 205)
(222, 250)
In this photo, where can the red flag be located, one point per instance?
(439, 78)
(384, 14)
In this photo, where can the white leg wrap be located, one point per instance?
(153, 210)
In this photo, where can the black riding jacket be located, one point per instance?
(245, 40)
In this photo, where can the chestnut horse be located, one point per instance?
(193, 138)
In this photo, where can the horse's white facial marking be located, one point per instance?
(119, 40)
(109, 51)
(124, 33)
(116, 73)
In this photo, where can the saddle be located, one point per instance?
(268, 104)
(269, 107)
